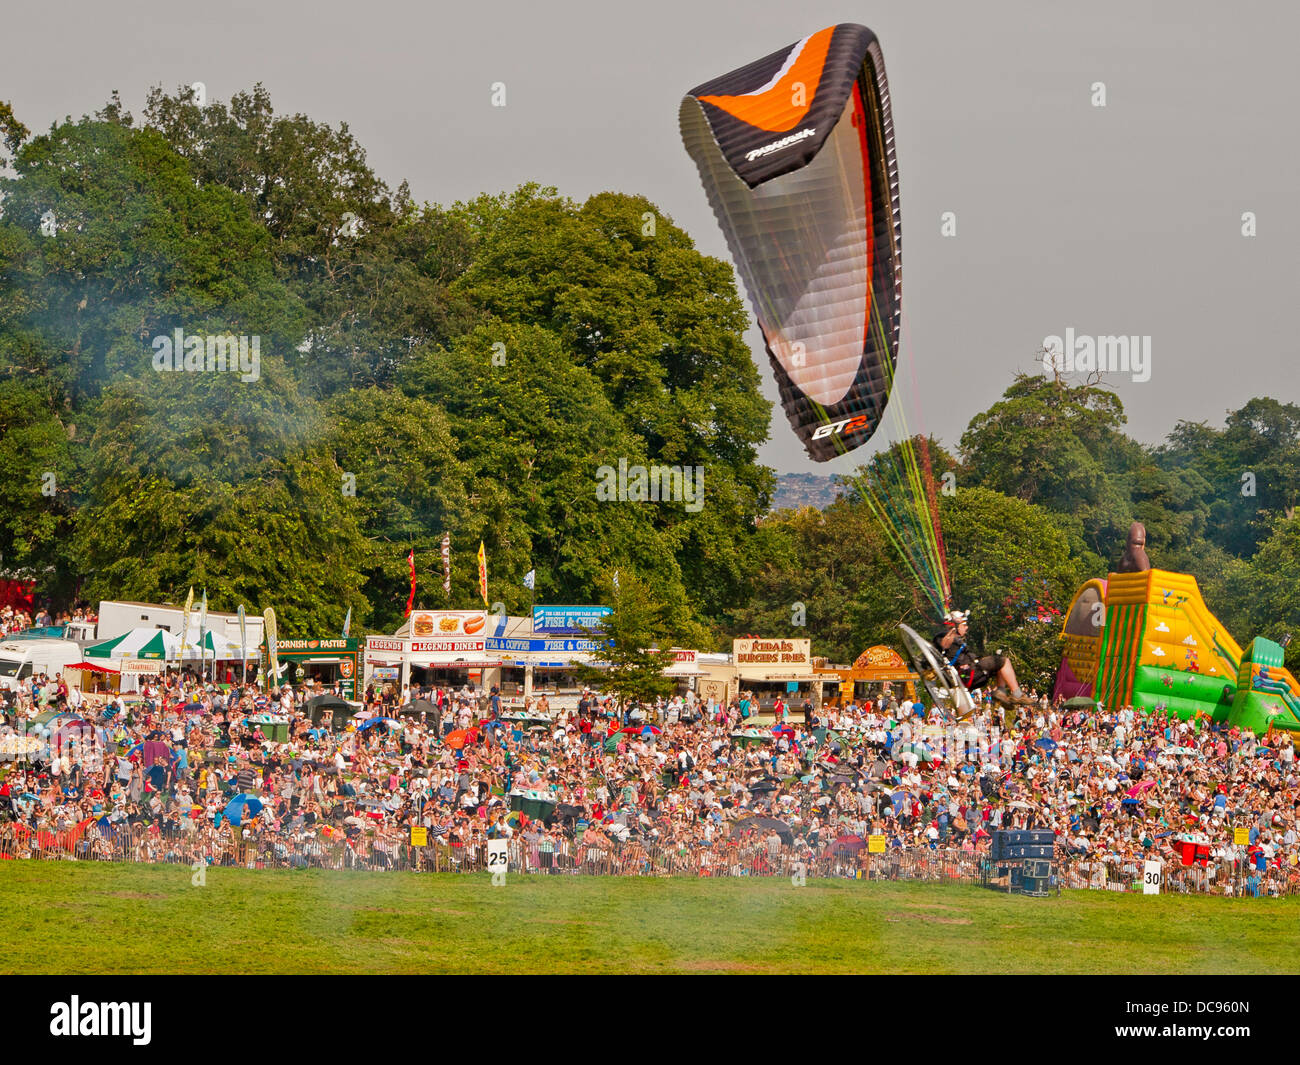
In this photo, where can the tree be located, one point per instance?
(659, 328)
(1010, 566)
(639, 629)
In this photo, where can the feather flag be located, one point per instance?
(185, 622)
(347, 623)
(243, 641)
(446, 563)
(410, 601)
(203, 630)
(482, 572)
(530, 579)
(272, 658)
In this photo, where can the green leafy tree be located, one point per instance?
(639, 622)
(1010, 566)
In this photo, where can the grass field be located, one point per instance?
(89, 918)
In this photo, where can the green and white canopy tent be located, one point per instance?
(146, 644)
(213, 646)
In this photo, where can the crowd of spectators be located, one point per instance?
(193, 771)
(14, 620)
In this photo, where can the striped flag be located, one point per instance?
(446, 563)
(482, 572)
(410, 601)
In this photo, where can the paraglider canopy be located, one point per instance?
(796, 154)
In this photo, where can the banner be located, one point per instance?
(426, 623)
(410, 601)
(446, 563)
(272, 658)
(525, 645)
(482, 573)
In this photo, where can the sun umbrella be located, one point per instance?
(377, 720)
(1080, 701)
(650, 730)
(1046, 744)
(234, 810)
(457, 740)
(846, 845)
(418, 706)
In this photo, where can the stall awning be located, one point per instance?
(97, 667)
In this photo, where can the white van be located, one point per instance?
(20, 660)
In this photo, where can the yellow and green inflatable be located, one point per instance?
(1147, 639)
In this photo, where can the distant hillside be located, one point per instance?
(795, 490)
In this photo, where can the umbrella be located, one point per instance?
(846, 845)
(650, 730)
(611, 744)
(1048, 745)
(418, 706)
(457, 740)
(234, 810)
(1138, 789)
(377, 720)
(1081, 701)
(783, 730)
(331, 705)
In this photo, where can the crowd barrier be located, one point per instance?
(141, 844)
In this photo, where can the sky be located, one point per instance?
(1117, 220)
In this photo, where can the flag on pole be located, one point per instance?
(616, 580)
(530, 579)
(347, 623)
(410, 601)
(446, 563)
(185, 622)
(482, 572)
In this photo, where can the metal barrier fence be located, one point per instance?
(142, 844)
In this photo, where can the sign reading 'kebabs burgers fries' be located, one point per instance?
(785, 655)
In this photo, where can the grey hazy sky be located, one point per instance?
(1122, 220)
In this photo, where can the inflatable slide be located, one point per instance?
(1147, 639)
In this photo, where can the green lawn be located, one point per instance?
(70, 917)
